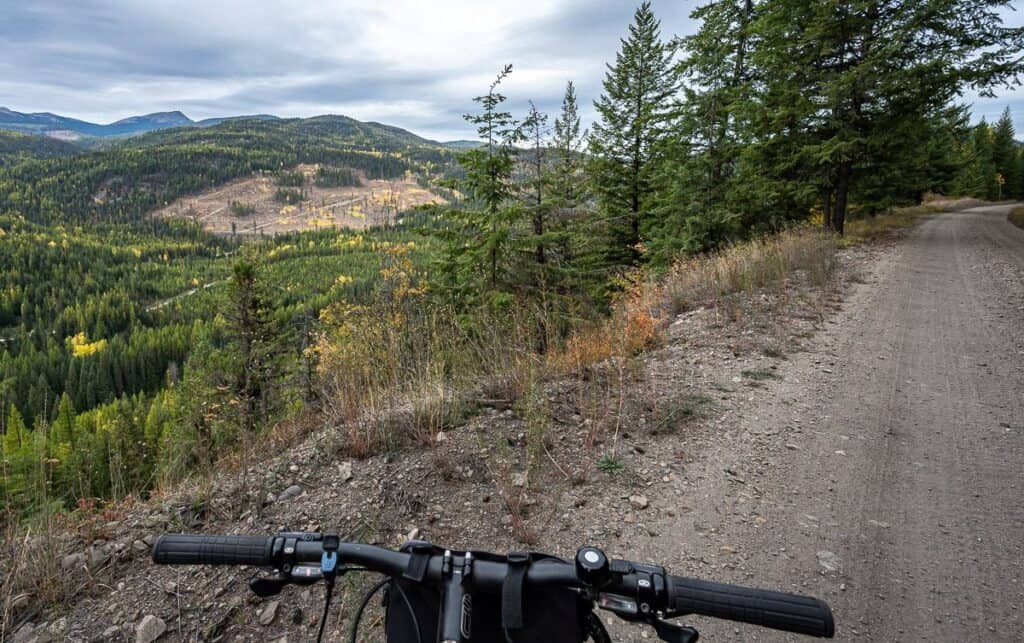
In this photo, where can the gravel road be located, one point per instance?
(885, 472)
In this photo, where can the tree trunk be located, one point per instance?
(842, 195)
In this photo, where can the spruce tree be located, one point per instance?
(696, 208)
(536, 202)
(254, 353)
(567, 189)
(853, 76)
(633, 118)
(478, 234)
(1004, 156)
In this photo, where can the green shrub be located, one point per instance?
(289, 196)
(293, 179)
(240, 209)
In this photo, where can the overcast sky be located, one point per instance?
(412, 63)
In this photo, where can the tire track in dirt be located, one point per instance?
(899, 465)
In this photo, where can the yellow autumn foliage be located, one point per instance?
(82, 347)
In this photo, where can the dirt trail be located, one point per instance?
(892, 451)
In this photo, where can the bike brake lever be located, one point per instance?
(674, 633)
(264, 586)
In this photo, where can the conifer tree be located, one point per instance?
(478, 239)
(695, 211)
(569, 197)
(853, 76)
(633, 118)
(567, 189)
(537, 203)
(253, 351)
(1005, 156)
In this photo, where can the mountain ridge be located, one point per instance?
(73, 129)
(91, 134)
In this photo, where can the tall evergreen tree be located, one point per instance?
(537, 204)
(634, 113)
(1005, 156)
(854, 73)
(255, 339)
(567, 189)
(696, 209)
(569, 196)
(478, 238)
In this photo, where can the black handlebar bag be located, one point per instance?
(548, 614)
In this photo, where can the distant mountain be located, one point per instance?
(210, 122)
(259, 132)
(93, 135)
(62, 127)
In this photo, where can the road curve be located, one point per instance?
(891, 482)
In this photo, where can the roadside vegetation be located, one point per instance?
(1017, 216)
(882, 226)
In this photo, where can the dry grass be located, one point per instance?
(1016, 216)
(871, 229)
(766, 263)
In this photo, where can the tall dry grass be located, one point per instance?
(875, 228)
(765, 263)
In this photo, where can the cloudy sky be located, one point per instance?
(412, 63)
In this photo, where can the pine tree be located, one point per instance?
(253, 351)
(981, 181)
(1004, 156)
(695, 211)
(853, 76)
(634, 113)
(63, 429)
(537, 204)
(567, 189)
(478, 238)
(578, 254)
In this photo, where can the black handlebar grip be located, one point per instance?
(777, 610)
(183, 549)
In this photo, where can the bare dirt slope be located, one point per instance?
(375, 202)
(886, 472)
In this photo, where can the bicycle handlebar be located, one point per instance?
(678, 596)
(775, 610)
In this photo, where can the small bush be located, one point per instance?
(240, 209)
(293, 179)
(289, 196)
(761, 374)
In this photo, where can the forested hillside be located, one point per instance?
(15, 148)
(102, 307)
(137, 350)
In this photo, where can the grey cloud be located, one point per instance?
(103, 60)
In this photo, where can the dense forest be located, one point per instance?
(136, 350)
(15, 148)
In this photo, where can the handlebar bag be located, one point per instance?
(550, 614)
